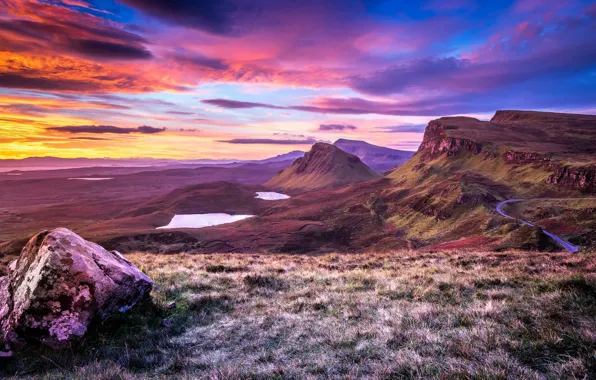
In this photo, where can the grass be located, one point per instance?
(399, 315)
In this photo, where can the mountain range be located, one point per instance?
(444, 197)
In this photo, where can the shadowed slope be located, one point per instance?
(464, 167)
(324, 166)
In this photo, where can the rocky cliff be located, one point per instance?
(579, 178)
(437, 142)
(515, 157)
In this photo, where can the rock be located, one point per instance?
(514, 157)
(575, 177)
(171, 305)
(436, 142)
(60, 284)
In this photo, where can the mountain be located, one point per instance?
(464, 167)
(444, 198)
(31, 164)
(324, 166)
(377, 157)
(283, 157)
(57, 163)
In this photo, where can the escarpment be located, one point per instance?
(578, 178)
(514, 157)
(559, 145)
(437, 142)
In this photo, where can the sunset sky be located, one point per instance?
(255, 78)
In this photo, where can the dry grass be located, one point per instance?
(401, 315)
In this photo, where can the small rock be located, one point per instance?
(166, 323)
(171, 305)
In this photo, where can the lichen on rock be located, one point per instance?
(60, 284)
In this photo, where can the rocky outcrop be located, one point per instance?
(514, 157)
(60, 284)
(437, 142)
(580, 178)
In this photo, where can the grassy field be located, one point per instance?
(400, 315)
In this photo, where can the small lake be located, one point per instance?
(203, 220)
(271, 196)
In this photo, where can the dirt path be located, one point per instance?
(568, 246)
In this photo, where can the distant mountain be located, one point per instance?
(58, 163)
(377, 157)
(283, 157)
(445, 197)
(324, 166)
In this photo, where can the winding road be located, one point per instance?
(568, 246)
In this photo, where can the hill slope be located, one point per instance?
(376, 157)
(465, 166)
(324, 166)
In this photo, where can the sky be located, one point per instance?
(255, 78)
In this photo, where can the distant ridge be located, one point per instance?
(282, 157)
(324, 166)
(376, 157)
(57, 163)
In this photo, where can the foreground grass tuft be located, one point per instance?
(400, 315)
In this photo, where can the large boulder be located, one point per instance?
(60, 284)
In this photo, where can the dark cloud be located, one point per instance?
(358, 106)
(201, 61)
(235, 104)
(89, 138)
(216, 17)
(307, 141)
(148, 130)
(403, 128)
(103, 49)
(39, 83)
(144, 129)
(102, 42)
(336, 127)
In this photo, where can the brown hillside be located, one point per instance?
(324, 166)
(465, 166)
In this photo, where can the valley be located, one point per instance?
(446, 195)
(281, 189)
